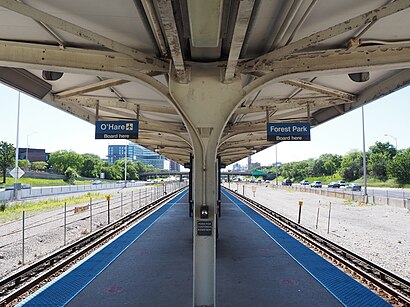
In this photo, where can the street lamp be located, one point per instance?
(28, 144)
(364, 158)
(393, 137)
(125, 165)
(276, 164)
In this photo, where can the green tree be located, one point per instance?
(63, 159)
(383, 148)
(380, 155)
(70, 175)
(378, 165)
(326, 164)
(24, 163)
(352, 166)
(92, 166)
(39, 165)
(399, 167)
(7, 157)
(296, 170)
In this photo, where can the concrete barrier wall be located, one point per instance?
(348, 195)
(44, 191)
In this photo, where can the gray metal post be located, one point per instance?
(132, 200)
(65, 223)
(91, 215)
(328, 218)
(108, 211)
(23, 236)
(121, 204)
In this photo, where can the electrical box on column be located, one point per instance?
(204, 225)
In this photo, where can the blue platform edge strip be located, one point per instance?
(64, 288)
(348, 291)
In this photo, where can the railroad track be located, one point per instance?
(387, 285)
(25, 281)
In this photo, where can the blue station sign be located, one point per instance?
(110, 130)
(288, 132)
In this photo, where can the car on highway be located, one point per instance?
(23, 186)
(342, 183)
(333, 185)
(96, 182)
(316, 184)
(287, 182)
(354, 187)
(304, 182)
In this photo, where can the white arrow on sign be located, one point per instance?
(16, 172)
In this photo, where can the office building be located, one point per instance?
(135, 153)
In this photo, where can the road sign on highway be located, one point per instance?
(16, 172)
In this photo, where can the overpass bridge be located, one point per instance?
(265, 176)
(204, 79)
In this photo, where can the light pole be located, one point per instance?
(364, 159)
(276, 163)
(393, 137)
(125, 165)
(16, 178)
(28, 144)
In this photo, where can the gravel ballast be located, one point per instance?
(379, 233)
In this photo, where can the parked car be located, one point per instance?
(23, 186)
(333, 185)
(287, 182)
(354, 187)
(316, 184)
(342, 183)
(304, 182)
(96, 182)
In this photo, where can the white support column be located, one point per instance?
(207, 104)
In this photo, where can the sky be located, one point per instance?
(43, 126)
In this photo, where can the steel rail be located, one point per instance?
(372, 275)
(14, 286)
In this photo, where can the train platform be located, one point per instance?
(257, 265)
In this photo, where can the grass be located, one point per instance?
(13, 212)
(38, 182)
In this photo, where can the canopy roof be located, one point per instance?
(107, 60)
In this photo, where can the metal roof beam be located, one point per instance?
(337, 61)
(238, 37)
(244, 144)
(330, 32)
(171, 33)
(384, 87)
(321, 89)
(115, 103)
(163, 143)
(74, 29)
(74, 60)
(155, 26)
(73, 109)
(90, 88)
(286, 103)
